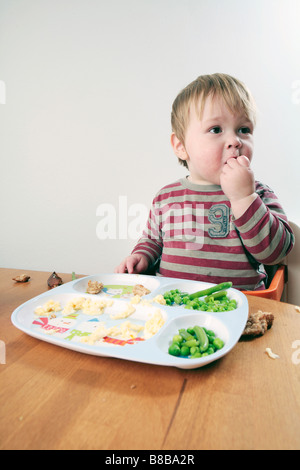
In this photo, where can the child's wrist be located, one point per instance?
(240, 205)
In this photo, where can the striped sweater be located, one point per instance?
(193, 233)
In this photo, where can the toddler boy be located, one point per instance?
(217, 224)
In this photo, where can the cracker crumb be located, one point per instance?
(297, 308)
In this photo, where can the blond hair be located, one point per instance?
(235, 94)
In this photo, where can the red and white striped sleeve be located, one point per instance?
(264, 228)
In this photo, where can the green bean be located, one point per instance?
(210, 290)
(202, 338)
(191, 342)
(215, 296)
(185, 335)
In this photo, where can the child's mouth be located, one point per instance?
(232, 156)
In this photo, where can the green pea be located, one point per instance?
(218, 343)
(210, 339)
(196, 355)
(174, 350)
(177, 339)
(184, 351)
(210, 350)
(194, 350)
(210, 332)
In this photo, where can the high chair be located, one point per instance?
(275, 289)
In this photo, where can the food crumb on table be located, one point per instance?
(21, 278)
(271, 354)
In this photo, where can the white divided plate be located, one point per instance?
(78, 330)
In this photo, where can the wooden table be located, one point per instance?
(55, 398)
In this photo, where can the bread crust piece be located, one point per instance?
(21, 278)
(94, 287)
(258, 323)
(140, 290)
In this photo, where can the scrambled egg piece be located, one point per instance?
(153, 324)
(88, 306)
(95, 307)
(48, 308)
(127, 312)
(97, 335)
(159, 299)
(73, 305)
(125, 331)
(136, 299)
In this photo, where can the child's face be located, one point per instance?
(211, 141)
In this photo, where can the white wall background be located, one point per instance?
(89, 86)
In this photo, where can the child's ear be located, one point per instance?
(178, 147)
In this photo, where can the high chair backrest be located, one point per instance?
(276, 286)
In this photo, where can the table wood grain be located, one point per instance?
(55, 398)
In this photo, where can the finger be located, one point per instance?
(122, 268)
(231, 162)
(243, 160)
(130, 265)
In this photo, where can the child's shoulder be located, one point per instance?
(168, 188)
(169, 191)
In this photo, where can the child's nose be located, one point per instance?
(234, 141)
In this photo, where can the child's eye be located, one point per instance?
(215, 130)
(245, 130)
